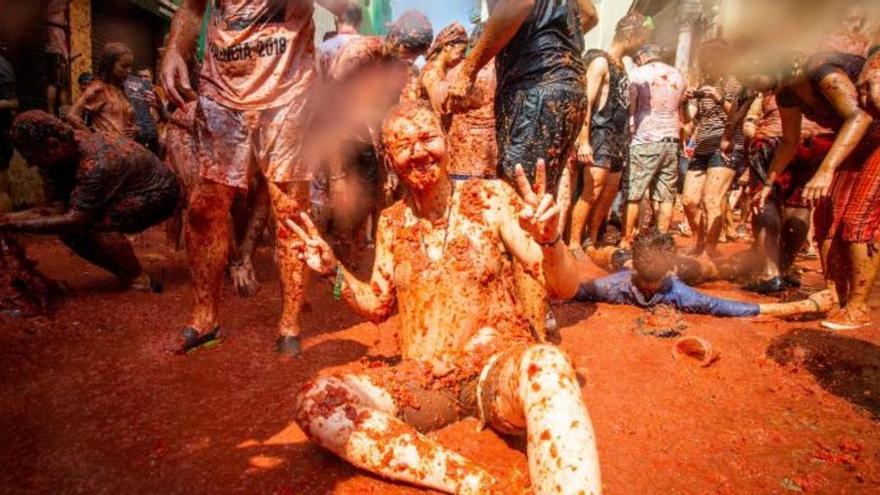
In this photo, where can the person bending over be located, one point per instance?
(105, 186)
(449, 242)
(653, 281)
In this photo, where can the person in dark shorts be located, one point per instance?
(604, 139)
(539, 102)
(104, 187)
(712, 170)
(8, 105)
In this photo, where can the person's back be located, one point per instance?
(115, 174)
(545, 50)
(659, 89)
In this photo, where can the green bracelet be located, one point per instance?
(337, 287)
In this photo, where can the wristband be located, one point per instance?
(553, 243)
(337, 287)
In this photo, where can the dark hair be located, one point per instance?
(412, 30)
(111, 54)
(653, 256)
(632, 23)
(85, 78)
(32, 129)
(352, 15)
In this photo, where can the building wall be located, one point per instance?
(610, 12)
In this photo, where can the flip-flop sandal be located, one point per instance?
(694, 350)
(194, 341)
(842, 327)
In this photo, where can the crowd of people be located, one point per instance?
(480, 181)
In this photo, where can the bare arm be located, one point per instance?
(749, 125)
(89, 100)
(181, 45)
(503, 24)
(597, 78)
(841, 92)
(373, 300)
(791, 137)
(11, 104)
(65, 223)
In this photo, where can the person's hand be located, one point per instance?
(819, 186)
(318, 254)
(153, 99)
(689, 93)
(584, 152)
(244, 277)
(759, 200)
(541, 217)
(174, 75)
(726, 148)
(712, 92)
(392, 182)
(461, 87)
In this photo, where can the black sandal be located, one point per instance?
(193, 340)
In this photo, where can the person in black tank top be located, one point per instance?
(539, 102)
(603, 143)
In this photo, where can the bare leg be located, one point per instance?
(632, 217)
(829, 253)
(692, 200)
(581, 211)
(795, 229)
(533, 299)
(864, 263)
(664, 217)
(288, 201)
(718, 184)
(356, 420)
(112, 252)
(241, 270)
(538, 390)
(207, 247)
(603, 205)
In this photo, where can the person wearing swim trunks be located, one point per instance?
(604, 140)
(104, 102)
(252, 112)
(845, 190)
(448, 242)
(656, 95)
(99, 189)
(539, 101)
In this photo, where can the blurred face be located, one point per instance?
(456, 52)
(417, 149)
(402, 53)
(122, 67)
(855, 19)
(647, 288)
(712, 61)
(146, 75)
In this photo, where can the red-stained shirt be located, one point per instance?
(261, 53)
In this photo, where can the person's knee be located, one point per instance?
(318, 403)
(546, 358)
